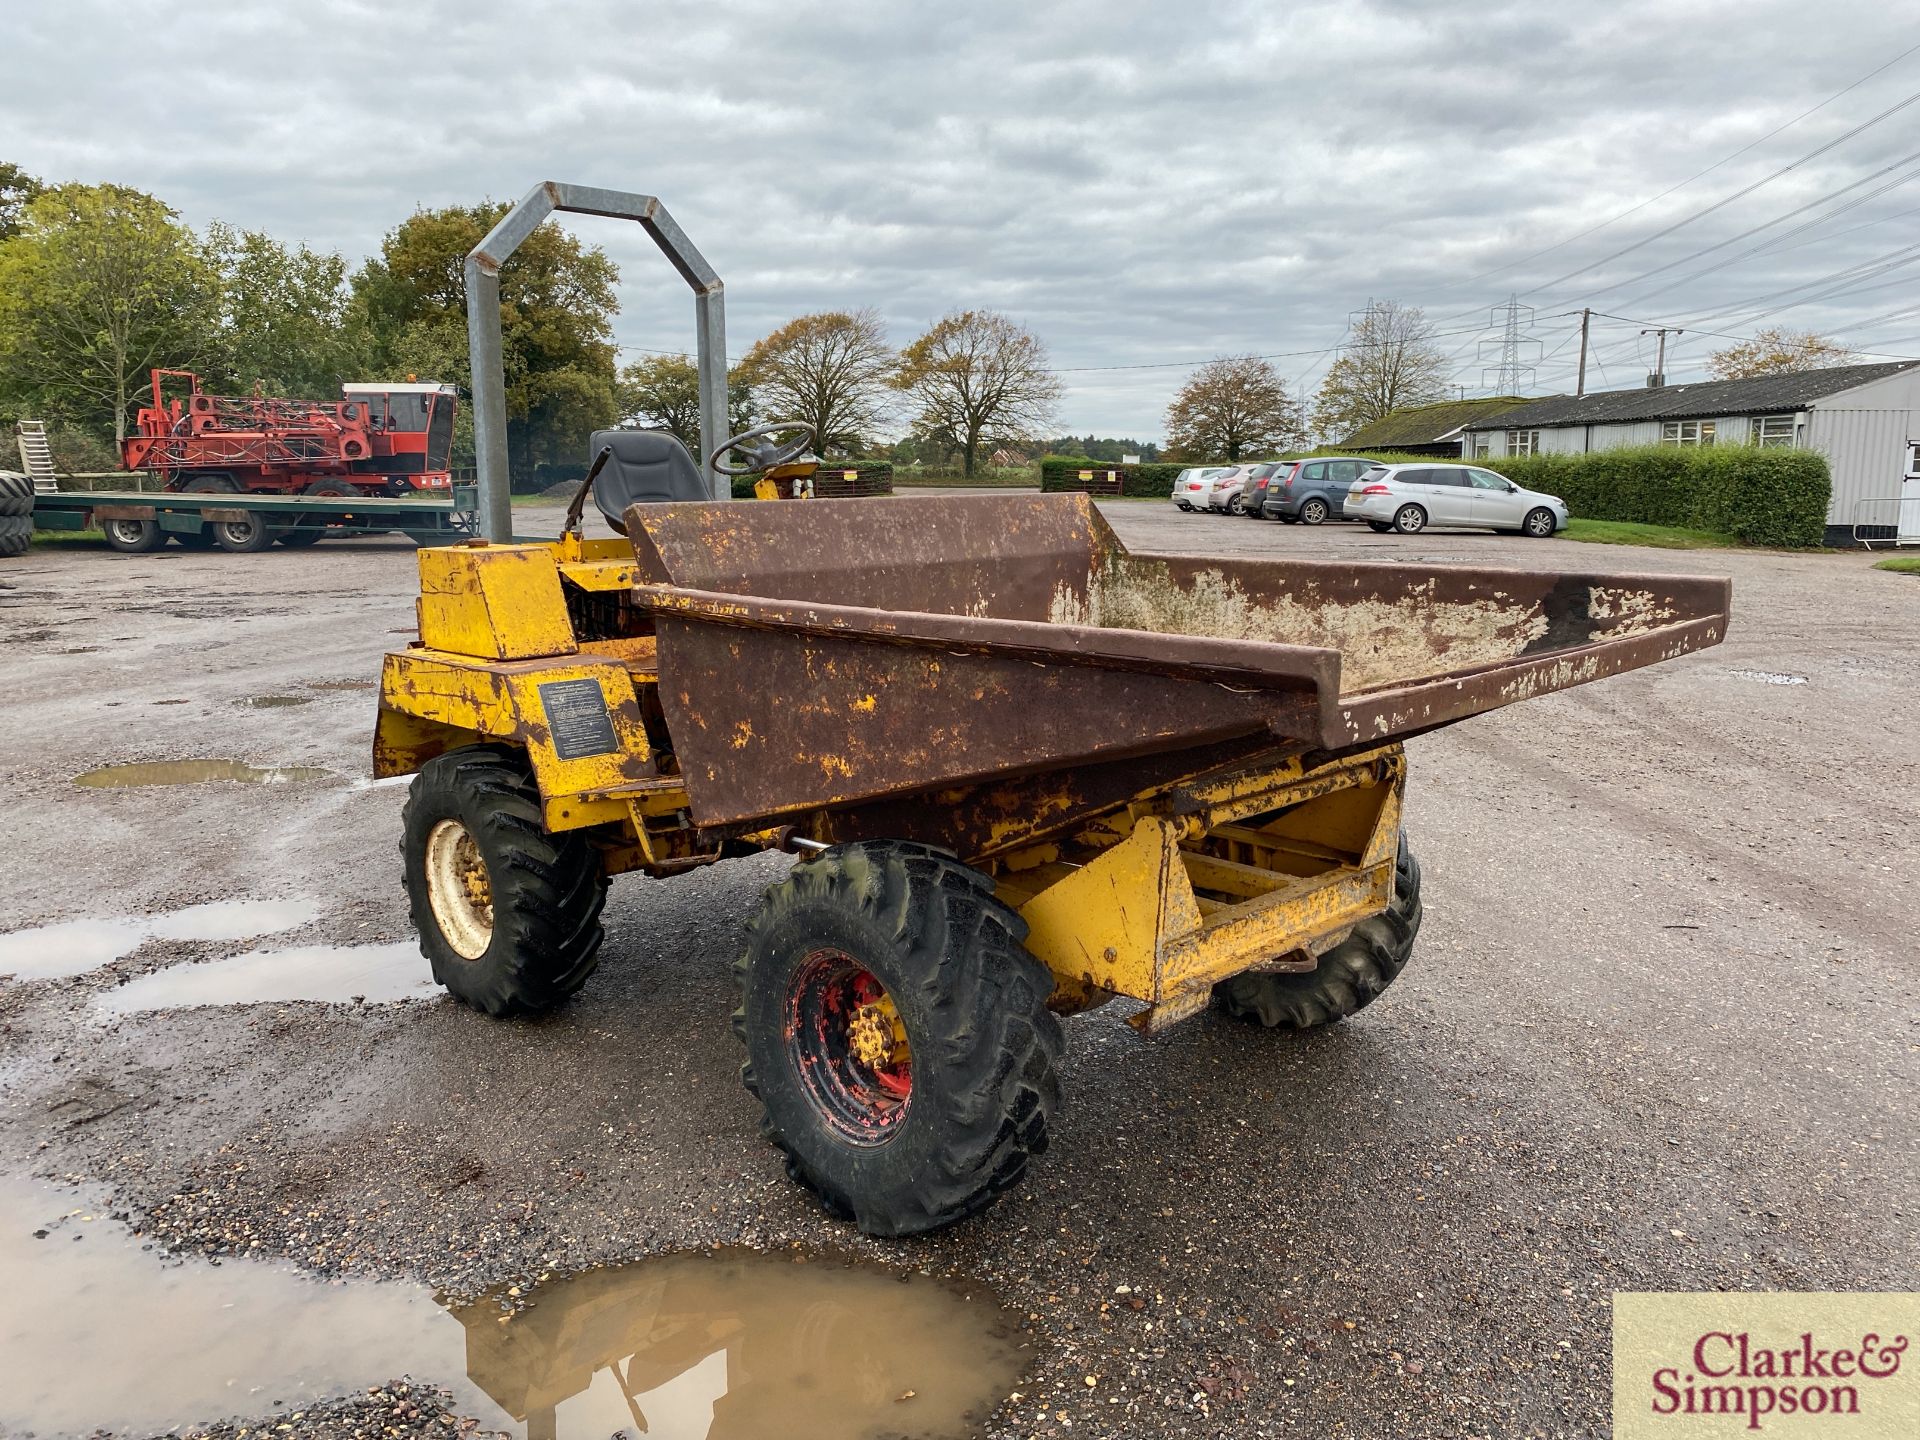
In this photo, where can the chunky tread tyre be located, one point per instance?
(14, 506)
(985, 1049)
(547, 889)
(1350, 975)
(16, 535)
(15, 486)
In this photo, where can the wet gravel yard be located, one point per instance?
(1662, 1030)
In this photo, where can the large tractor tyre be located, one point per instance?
(897, 1035)
(508, 914)
(12, 507)
(15, 486)
(211, 485)
(16, 535)
(1350, 975)
(133, 537)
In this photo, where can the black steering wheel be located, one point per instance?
(763, 457)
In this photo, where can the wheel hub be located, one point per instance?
(459, 889)
(848, 1046)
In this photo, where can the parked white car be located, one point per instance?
(1229, 486)
(1193, 489)
(1412, 498)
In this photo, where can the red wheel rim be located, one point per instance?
(848, 1048)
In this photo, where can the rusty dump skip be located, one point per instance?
(834, 652)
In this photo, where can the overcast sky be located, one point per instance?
(1140, 183)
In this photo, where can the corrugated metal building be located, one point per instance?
(1864, 418)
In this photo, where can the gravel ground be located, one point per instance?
(1661, 1030)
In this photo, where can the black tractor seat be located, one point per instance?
(645, 467)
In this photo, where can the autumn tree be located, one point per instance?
(100, 284)
(662, 392)
(1390, 361)
(829, 370)
(979, 376)
(557, 306)
(288, 320)
(1232, 408)
(1777, 351)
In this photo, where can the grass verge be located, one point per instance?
(1900, 564)
(69, 537)
(1658, 537)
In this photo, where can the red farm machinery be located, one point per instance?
(376, 440)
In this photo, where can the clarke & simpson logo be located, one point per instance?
(1785, 1365)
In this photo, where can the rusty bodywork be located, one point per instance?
(1175, 768)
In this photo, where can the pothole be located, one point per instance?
(100, 1334)
(330, 974)
(1769, 677)
(196, 772)
(73, 947)
(275, 702)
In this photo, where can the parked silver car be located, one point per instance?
(1410, 498)
(1228, 490)
(1193, 489)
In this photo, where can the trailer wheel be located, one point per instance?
(133, 537)
(1410, 520)
(1350, 975)
(897, 1035)
(301, 536)
(242, 537)
(508, 913)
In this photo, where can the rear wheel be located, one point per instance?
(242, 537)
(897, 1035)
(1349, 976)
(1313, 511)
(508, 914)
(1410, 520)
(132, 537)
(1236, 506)
(1538, 524)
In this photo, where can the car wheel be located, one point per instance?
(1379, 527)
(1313, 512)
(1236, 506)
(1538, 524)
(1410, 520)
(1182, 505)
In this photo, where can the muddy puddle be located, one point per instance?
(337, 974)
(274, 702)
(723, 1345)
(73, 947)
(196, 772)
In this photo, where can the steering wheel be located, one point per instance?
(763, 457)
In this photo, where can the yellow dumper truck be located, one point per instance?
(1026, 773)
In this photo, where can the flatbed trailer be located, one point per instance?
(137, 521)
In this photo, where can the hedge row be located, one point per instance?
(1760, 496)
(871, 477)
(1063, 472)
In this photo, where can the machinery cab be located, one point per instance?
(412, 429)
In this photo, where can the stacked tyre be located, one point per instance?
(16, 513)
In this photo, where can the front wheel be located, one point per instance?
(1349, 977)
(508, 914)
(1410, 520)
(897, 1035)
(1538, 524)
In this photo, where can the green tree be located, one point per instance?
(829, 370)
(1390, 362)
(556, 320)
(17, 188)
(101, 284)
(662, 392)
(979, 376)
(289, 322)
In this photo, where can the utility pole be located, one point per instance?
(1659, 376)
(1580, 385)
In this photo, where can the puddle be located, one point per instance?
(334, 974)
(1768, 677)
(73, 947)
(275, 702)
(101, 1334)
(196, 772)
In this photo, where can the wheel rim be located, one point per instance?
(1541, 523)
(459, 890)
(1313, 512)
(848, 1047)
(237, 532)
(1411, 519)
(127, 532)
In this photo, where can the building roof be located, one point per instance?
(1426, 424)
(1760, 395)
